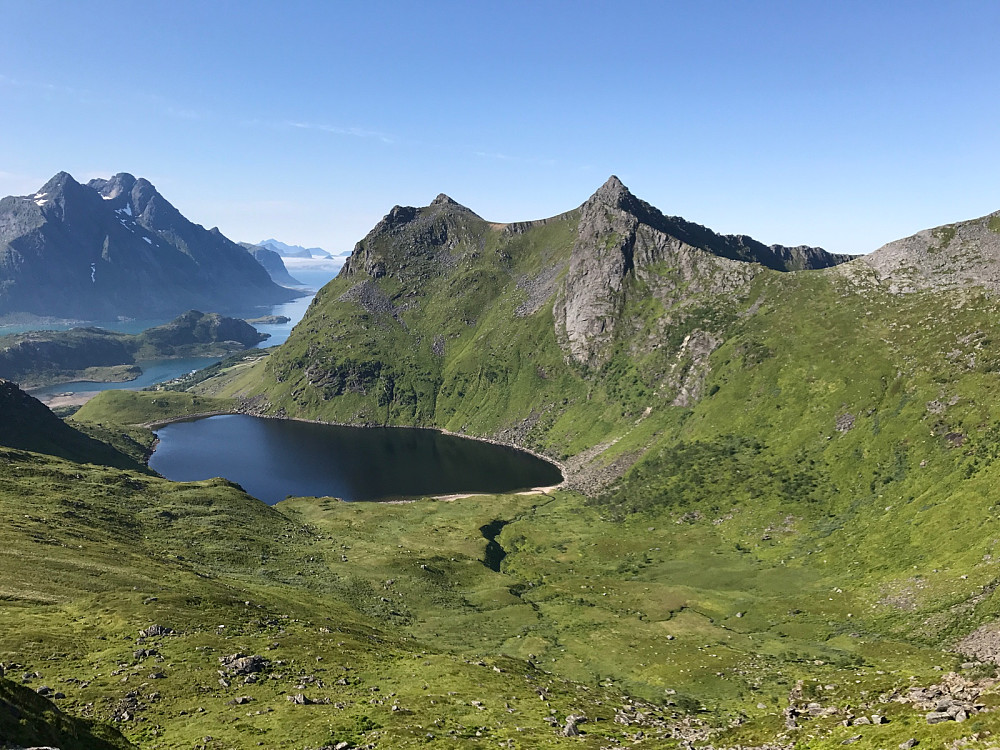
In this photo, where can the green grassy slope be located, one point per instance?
(92, 556)
(27, 424)
(791, 482)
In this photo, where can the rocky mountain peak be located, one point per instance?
(450, 204)
(614, 193)
(115, 247)
(118, 185)
(58, 188)
(58, 183)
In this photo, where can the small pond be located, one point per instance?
(275, 458)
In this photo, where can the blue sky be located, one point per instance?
(842, 124)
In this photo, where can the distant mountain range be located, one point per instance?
(272, 263)
(293, 251)
(115, 248)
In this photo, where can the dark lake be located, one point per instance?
(274, 458)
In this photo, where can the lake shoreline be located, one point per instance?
(448, 497)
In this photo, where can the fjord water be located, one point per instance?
(313, 274)
(275, 458)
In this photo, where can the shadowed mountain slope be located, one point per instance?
(118, 248)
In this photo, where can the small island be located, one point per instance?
(42, 358)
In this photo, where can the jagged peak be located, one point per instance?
(449, 202)
(614, 193)
(119, 184)
(59, 181)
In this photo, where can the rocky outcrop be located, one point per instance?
(415, 243)
(962, 255)
(115, 248)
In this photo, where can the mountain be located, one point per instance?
(293, 251)
(612, 278)
(117, 248)
(272, 264)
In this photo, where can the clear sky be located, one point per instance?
(836, 123)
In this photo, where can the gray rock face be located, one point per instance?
(117, 247)
(966, 254)
(573, 722)
(155, 631)
(626, 247)
(237, 664)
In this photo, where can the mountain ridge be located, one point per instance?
(292, 251)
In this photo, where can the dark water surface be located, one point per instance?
(274, 458)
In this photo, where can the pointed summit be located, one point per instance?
(59, 183)
(613, 186)
(450, 203)
(614, 193)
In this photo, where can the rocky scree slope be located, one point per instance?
(961, 255)
(117, 247)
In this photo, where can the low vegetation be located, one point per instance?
(778, 528)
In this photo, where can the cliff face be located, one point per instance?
(118, 248)
(622, 239)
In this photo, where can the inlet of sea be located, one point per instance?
(313, 275)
